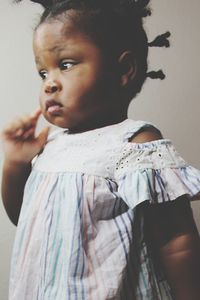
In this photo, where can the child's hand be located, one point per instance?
(19, 141)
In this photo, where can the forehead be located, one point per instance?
(55, 35)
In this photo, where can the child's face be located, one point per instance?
(77, 81)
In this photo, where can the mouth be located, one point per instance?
(53, 107)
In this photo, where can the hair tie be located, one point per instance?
(161, 40)
(156, 75)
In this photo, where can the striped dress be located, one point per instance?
(80, 234)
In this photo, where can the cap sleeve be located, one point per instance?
(154, 172)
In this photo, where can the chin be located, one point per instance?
(63, 123)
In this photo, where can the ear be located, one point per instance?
(128, 68)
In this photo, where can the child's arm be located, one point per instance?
(174, 240)
(20, 146)
(13, 182)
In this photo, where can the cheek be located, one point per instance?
(82, 87)
(89, 78)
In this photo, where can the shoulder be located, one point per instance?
(139, 131)
(146, 135)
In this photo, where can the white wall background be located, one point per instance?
(172, 105)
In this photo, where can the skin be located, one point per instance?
(20, 145)
(84, 83)
(173, 238)
(77, 76)
(92, 91)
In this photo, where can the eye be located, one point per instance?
(43, 74)
(65, 65)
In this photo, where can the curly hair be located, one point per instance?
(114, 25)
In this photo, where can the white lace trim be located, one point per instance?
(151, 155)
(104, 151)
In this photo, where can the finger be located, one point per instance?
(18, 132)
(27, 122)
(35, 115)
(27, 135)
(19, 127)
(13, 127)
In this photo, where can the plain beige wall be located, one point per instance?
(172, 104)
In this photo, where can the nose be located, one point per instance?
(52, 86)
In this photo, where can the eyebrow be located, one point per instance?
(52, 49)
(57, 48)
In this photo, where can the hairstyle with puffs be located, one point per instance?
(114, 25)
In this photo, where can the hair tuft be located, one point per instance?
(156, 75)
(161, 40)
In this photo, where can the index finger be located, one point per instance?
(35, 115)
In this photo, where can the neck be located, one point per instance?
(98, 123)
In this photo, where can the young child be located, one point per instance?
(102, 212)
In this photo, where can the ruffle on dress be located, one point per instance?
(155, 172)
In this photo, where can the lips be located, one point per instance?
(53, 107)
